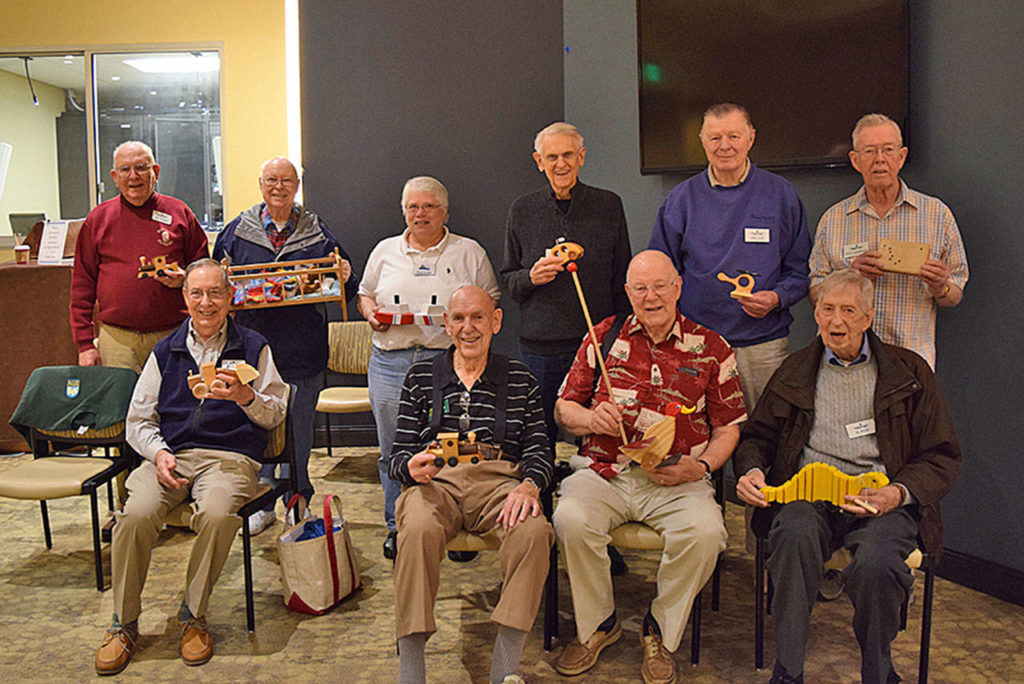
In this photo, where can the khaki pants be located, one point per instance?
(428, 516)
(123, 348)
(220, 482)
(687, 517)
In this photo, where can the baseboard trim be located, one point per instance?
(998, 581)
(346, 436)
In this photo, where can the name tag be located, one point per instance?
(161, 217)
(861, 428)
(854, 250)
(757, 235)
(425, 270)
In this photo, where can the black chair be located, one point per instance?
(72, 407)
(917, 560)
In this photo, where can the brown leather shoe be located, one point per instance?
(659, 667)
(196, 643)
(117, 649)
(579, 657)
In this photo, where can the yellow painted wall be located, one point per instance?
(253, 109)
(31, 130)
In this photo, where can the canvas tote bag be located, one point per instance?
(318, 572)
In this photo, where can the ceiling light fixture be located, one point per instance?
(176, 63)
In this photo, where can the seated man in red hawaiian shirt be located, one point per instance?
(658, 358)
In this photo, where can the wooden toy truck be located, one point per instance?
(206, 380)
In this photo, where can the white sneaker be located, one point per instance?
(261, 520)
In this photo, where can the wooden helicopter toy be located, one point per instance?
(206, 379)
(824, 482)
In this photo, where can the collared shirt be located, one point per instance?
(905, 310)
(142, 426)
(278, 235)
(863, 355)
(397, 273)
(525, 431)
(693, 366)
(717, 183)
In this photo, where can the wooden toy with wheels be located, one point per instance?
(207, 379)
(450, 450)
(158, 267)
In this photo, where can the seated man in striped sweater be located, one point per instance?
(851, 401)
(470, 389)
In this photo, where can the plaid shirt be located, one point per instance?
(278, 238)
(904, 309)
(694, 366)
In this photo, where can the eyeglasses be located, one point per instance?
(140, 169)
(214, 293)
(660, 288)
(884, 150)
(413, 208)
(286, 182)
(464, 405)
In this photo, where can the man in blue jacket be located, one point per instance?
(278, 229)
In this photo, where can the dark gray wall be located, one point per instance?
(966, 146)
(454, 90)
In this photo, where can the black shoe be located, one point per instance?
(780, 676)
(618, 564)
(391, 546)
(461, 556)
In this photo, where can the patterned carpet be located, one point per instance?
(54, 618)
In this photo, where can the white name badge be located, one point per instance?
(425, 270)
(861, 428)
(854, 250)
(757, 235)
(161, 217)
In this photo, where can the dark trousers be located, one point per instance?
(550, 370)
(802, 537)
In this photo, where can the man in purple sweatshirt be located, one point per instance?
(736, 218)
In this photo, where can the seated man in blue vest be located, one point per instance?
(470, 389)
(203, 448)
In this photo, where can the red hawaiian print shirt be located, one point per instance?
(693, 366)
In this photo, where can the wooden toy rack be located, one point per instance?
(286, 283)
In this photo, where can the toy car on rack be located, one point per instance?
(287, 283)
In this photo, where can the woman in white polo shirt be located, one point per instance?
(421, 267)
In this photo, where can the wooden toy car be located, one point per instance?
(158, 267)
(207, 380)
(450, 450)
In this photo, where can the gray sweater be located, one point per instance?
(551, 319)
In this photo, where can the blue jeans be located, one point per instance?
(550, 370)
(307, 390)
(385, 377)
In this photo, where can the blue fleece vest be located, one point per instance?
(187, 422)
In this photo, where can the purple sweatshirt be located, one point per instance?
(706, 230)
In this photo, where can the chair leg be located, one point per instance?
(551, 600)
(716, 583)
(110, 493)
(926, 621)
(327, 421)
(46, 524)
(695, 630)
(250, 611)
(759, 605)
(96, 552)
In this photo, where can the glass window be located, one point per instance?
(170, 101)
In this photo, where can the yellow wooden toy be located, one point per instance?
(657, 440)
(823, 482)
(206, 380)
(741, 291)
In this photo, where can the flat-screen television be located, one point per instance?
(806, 70)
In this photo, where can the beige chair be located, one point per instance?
(350, 354)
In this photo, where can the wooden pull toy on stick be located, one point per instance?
(569, 252)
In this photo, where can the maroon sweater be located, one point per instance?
(113, 237)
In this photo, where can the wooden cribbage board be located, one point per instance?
(903, 257)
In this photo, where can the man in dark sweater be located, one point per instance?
(204, 448)
(551, 322)
(860, 405)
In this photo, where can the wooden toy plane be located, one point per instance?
(824, 482)
(158, 267)
(741, 291)
(652, 449)
(449, 449)
(207, 380)
(903, 257)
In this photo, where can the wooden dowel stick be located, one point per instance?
(597, 347)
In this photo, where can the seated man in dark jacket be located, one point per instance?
(204, 448)
(858, 404)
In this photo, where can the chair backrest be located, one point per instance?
(350, 344)
(280, 443)
(22, 222)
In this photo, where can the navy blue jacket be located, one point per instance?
(187, 422)
(297, 334)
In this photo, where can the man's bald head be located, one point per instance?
(653, 286)
(471, 321)
(651, 262)
(472, 293)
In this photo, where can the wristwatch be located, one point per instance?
(707, 469)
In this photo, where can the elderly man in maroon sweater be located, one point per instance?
(134, 314)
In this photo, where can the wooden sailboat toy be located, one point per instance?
(657, 441)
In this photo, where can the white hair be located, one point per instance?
(267, 163)
(558, 128)
(425, 184)
(146, 148)
(872, 120)
(849, 277)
